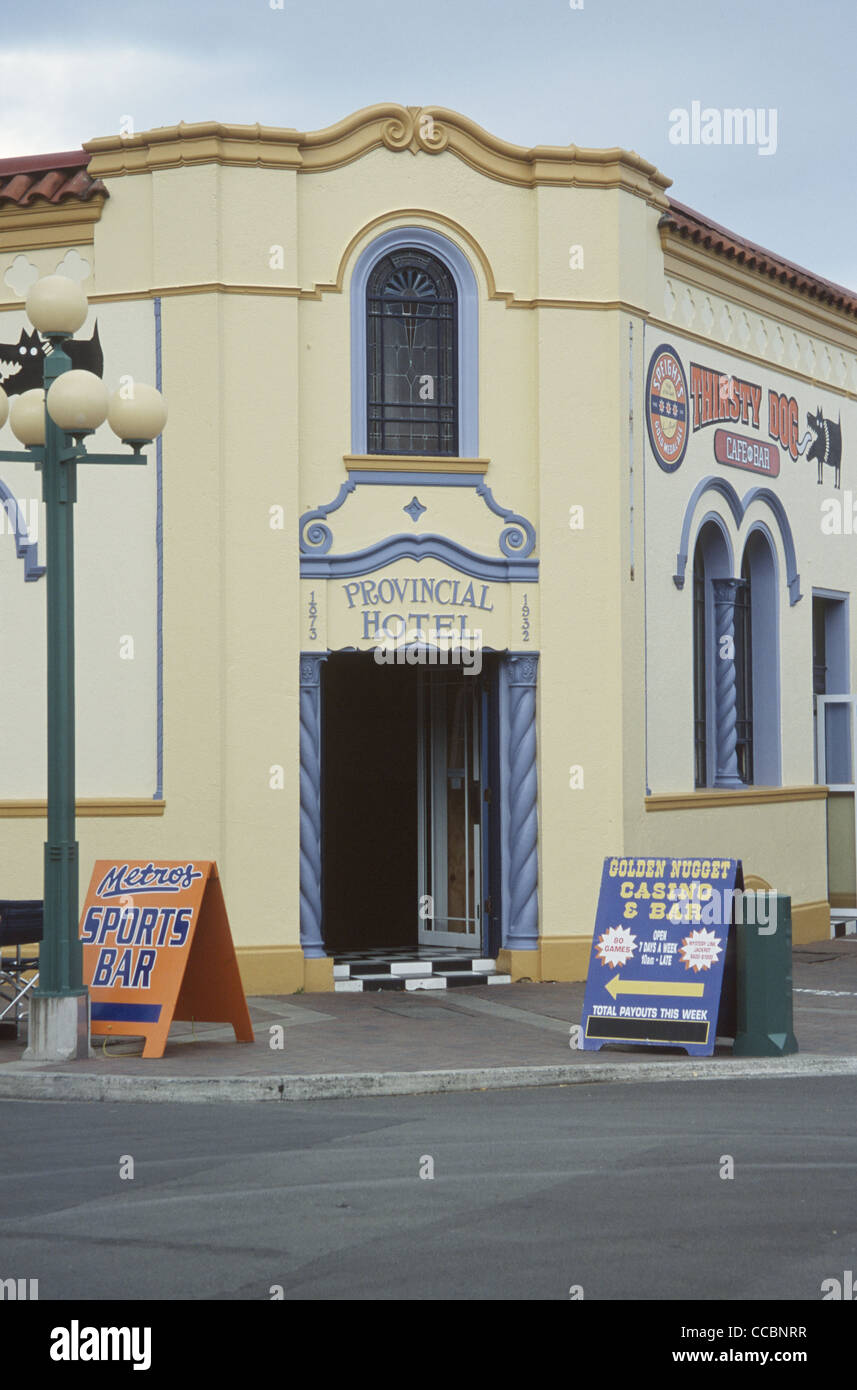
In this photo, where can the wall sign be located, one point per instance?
(157, 947)
(656, 966)
(737, 451)
(719, 398)
(418, 602)
(377, 599)
(667, 407)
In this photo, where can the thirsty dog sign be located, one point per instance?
(656, 967)
(157, 947)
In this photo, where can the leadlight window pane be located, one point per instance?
(699, 715)
(744, 677)
(412, 354)
(819, 647)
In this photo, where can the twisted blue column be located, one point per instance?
(522, 838)
(725, 689)
(312, 939)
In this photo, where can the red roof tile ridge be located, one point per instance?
(735, 243)
(48, 186)
(32, 163)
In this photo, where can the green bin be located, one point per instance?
(764, 1025)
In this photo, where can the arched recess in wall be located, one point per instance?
(759, 571)
(400, 238)
(712, 559)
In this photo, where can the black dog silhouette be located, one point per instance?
(22, 363)
(827, 444)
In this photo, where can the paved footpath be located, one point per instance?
(340, 1045)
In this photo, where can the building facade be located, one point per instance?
(501, 523)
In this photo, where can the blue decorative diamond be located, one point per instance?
(414, 509)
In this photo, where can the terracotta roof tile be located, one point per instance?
(52, 177)
(693, 226)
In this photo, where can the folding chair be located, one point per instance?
(21, 923)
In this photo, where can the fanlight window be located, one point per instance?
(412, 329)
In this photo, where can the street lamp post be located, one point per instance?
(53, 423)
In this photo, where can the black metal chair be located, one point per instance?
(21, 924)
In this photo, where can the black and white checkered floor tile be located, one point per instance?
(431, 968)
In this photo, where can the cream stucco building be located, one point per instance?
(450, 574)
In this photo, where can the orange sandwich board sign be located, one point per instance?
(157, 947)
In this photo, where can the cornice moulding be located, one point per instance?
(203, 142)
(399, 129)
(42, 223)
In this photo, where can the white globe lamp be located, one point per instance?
(137, 413)
(27, 417)
(77, 402)
(56, 305)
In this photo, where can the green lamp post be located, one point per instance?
(53, 423)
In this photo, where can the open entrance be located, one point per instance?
(449, 809)
(406, 765)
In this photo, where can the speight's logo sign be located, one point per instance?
(666, 408)
(718, 398)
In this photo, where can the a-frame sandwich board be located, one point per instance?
(157, 947)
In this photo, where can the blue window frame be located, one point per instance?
(458, 283)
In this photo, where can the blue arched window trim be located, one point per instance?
(718, 563)
(468, 331)
(719, 559)
(765, 627)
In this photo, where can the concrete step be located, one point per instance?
(353, 977)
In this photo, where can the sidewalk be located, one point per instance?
(336, 1045)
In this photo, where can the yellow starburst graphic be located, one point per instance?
(615, 946)
(700, 950)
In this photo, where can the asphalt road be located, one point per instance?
(613, 1188)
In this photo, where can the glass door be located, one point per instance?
(449, 803)
(836, 742)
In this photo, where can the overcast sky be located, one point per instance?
(533, 72)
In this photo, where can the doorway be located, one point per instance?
(449, 806)
(369, 804)
(406, 765)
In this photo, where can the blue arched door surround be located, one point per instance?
(517, 840)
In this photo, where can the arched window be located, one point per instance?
(762, 679)
(736, 693)
(700, 692)
(712, 559)
(744, 671)
(441, 260)
(412, 355)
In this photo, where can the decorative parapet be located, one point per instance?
(400, 129)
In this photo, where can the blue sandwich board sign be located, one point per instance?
(656, 966)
